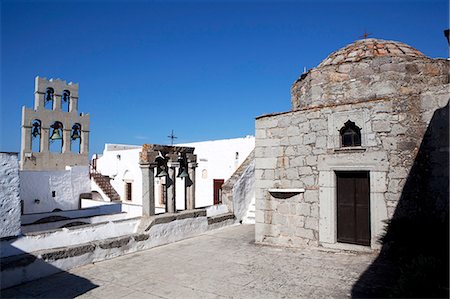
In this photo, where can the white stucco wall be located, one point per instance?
(121, 163)
(9, 195)
(37, 186)
(217, 159)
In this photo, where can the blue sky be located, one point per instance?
(205, 69)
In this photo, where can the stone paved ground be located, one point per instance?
(220, 264)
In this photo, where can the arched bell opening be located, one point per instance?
(49, 98)
(36, 136)
(56, 137)
(65, 101)
(75, 138)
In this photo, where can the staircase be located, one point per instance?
(249, 217)
(104, 183)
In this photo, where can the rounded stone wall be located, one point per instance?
(366, 70)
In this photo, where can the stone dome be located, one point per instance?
(370, 48)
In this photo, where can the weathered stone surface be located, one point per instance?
(392, 93)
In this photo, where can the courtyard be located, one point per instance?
(224, 263)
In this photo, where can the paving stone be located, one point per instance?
(224, 263)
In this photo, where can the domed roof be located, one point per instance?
(370, 48)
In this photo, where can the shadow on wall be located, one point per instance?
(414, 259)
(25, 266)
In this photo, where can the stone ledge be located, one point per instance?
(220, 218)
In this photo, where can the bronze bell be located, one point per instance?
(182, 173)
(35, 132)
(55, 135)
(49, 96)
(76, 132)
(161, 171)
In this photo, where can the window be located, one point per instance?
(128, 191)
(350, 134)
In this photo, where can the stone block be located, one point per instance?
(267, 142)
(318, 124)
(293, 131)
(266, 122)
(285, 121)
(312, 223)
(284, 209)
(304, 127)
(269, 174)
(266, 163)
(378, 182)
(297, 161)
(295, 140)
(308, 180)
(321, 142)
(292, 174)
(304, 209)
(311, 196)
(381, 126)
(260, 133)
(309, 138)
(279, 219)
(304, 233)
(315, 210)
(311, 160)
(304, 170)
(259, 216)
(259, 174)
(398, 173)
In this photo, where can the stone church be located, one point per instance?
(366, 140)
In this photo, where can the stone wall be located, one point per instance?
(9, 200)
(301, 149)
(366, 80)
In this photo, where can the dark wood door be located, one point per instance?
(218, 191)
(353, 209)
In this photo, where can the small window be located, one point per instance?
(350, 134)
(128, 191)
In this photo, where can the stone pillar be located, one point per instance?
(171, 187)
(38, 100)
(190, 186)
(26, 139)
(57, 102)
(148, 189)
(84, 146)
(73, 104)
(66, 141)
(45, 132)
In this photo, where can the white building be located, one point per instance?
(217, 161)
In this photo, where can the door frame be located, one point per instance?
(378, 166)
(217, 200)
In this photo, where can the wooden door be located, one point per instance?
(353, 209)
(217, 189)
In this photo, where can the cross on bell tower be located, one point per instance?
(172, 137)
